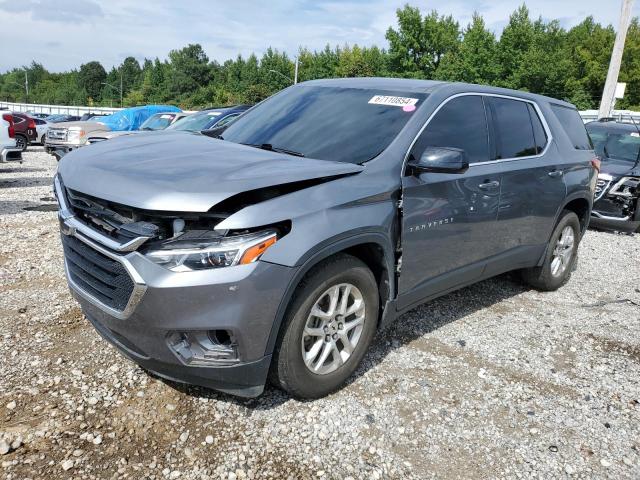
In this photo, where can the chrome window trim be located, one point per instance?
(139, 288)
(543, 120)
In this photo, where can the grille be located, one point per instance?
(601, 187)
(57, 134)
(98, 275)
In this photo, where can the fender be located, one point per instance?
(582, 195)
(323, 251)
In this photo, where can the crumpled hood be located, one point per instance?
(618, 167)
(183, 172)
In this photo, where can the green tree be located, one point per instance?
(189, 70)
(420, 44)
(90, 78)
(475, 60)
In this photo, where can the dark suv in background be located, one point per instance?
(617, 198)
(278, 248)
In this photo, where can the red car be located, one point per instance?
(25, 130)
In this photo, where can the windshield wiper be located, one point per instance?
(271, 148)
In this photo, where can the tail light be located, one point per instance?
(595, 163)
(9, 118)
(32, 123)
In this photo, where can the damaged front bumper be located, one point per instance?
(207, 328)
(617, 203)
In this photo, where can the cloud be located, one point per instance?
(55, 10)
(85, 31)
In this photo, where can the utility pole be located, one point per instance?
(616, 59)
(121, 86)
(295, 76)
(26, 87)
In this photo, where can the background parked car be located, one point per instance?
(39, 115)
(209, 118)
(62, 117)
(68, 136)
(25, 130)
(156, 122)
(8, 149)
(42, 126)
(617, 197)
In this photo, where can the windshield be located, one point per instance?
(157, 122)
(618, 145)
(196, 122)
(328, 123)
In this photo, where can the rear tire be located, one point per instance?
(21, 142)
(316, 354)
(560, 257)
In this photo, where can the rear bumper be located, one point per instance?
(10, 154)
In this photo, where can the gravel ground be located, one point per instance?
(495, 380)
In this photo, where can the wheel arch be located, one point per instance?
(374, 249)
(580, 204)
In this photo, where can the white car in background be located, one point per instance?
(9, 151)
(42, 126)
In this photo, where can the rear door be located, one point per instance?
(449, 220)
(533, 186)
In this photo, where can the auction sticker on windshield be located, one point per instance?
(392, 101)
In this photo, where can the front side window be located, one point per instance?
(350, 125)
(460, 123)
(514, 131)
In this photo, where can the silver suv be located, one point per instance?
(278, 245)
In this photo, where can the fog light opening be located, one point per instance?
(204, 347)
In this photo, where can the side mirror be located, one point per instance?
(440, 160)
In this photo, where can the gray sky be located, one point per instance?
(62, 34)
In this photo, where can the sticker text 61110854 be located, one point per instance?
(393, 101)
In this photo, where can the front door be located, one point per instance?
(449, 220)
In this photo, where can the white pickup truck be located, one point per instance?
(8, 149)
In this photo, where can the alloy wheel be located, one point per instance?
(333, 328)
(563, 252)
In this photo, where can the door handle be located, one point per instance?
(555, 173)
(489, 185)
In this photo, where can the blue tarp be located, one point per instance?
(132, 118)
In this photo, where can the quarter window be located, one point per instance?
(460, 123)
(539, 134)
(573, 125)
(514, 130)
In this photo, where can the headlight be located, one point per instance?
(223, 252)
(626, 187)
(74, 135)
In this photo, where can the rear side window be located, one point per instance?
(514, 130)
(573, 125)
(460, 123)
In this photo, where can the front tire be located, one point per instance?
(328, 328)
(560, 257)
